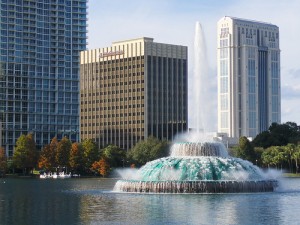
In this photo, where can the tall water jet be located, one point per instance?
(201, 80)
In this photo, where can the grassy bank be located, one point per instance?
(295, 175)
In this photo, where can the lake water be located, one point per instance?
(90, 201)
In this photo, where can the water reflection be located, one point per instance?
(89, 201)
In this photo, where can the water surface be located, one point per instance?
(90, 201)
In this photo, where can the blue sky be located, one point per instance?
(173, 21)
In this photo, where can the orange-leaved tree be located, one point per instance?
(102, 167)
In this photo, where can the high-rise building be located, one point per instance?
(40, 43)
(248, 77)
(131, 90)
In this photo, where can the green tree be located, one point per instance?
(269, 156)
(25, 154)
(76, 158)
(245, 150)
(90, 153)
(63, 152)
(3, 162)
(278, 135)
(289, 151)
(148, 150)
(114, 155)
(296, 156)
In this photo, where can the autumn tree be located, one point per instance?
(102, 167)
(43, 162)
(47, 158)
(76, 157)
(63, 152)
(25, 154)
(90, 153)
(53, 148)
(3, 162)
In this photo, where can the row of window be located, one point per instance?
(112, 115)
(129, 130)
(129, 106)
(112, 100)
(94, 125)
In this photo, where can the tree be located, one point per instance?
(114, 155)
(76, 157)
(296, 156)
(53, 149)
(148, 150)
(245, 150)
(47, 158)
(25, 154)
(102, 167)
(63, 152)
(278, 135)
(90, 153)
(289, 151)
(3, 162)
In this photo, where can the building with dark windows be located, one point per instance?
(40, 43)
(132, 90)
(249, 98)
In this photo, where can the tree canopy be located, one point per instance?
(76, 157)
(90, 152)
(63, 152)
(148, 150)
(25, 154)
(3, 161)
(114, 155)
(278, 135)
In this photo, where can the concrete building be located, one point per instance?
(131, 90)
(40, 43)
(249, 98)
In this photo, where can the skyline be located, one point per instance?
(173, 21)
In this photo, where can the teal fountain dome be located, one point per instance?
(197, 167)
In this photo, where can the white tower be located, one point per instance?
(249, 98)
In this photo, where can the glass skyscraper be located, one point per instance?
(40, 43)
(249, 98)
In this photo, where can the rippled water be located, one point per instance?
(90, 201)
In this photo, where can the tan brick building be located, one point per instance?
(131, 90)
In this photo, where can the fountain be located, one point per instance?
(198, 167)
(198, 164)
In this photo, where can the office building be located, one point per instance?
(132, 90)
(249, 98)
(40, 43)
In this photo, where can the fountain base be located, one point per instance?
(195, 186)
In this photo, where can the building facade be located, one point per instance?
(131, 90)
(40, 43)
(249, 98)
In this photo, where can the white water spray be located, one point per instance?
(201, 82)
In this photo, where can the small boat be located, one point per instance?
(64, 175)
(46, 175)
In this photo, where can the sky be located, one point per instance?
(173, 22)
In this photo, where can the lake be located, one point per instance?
(91, 201)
